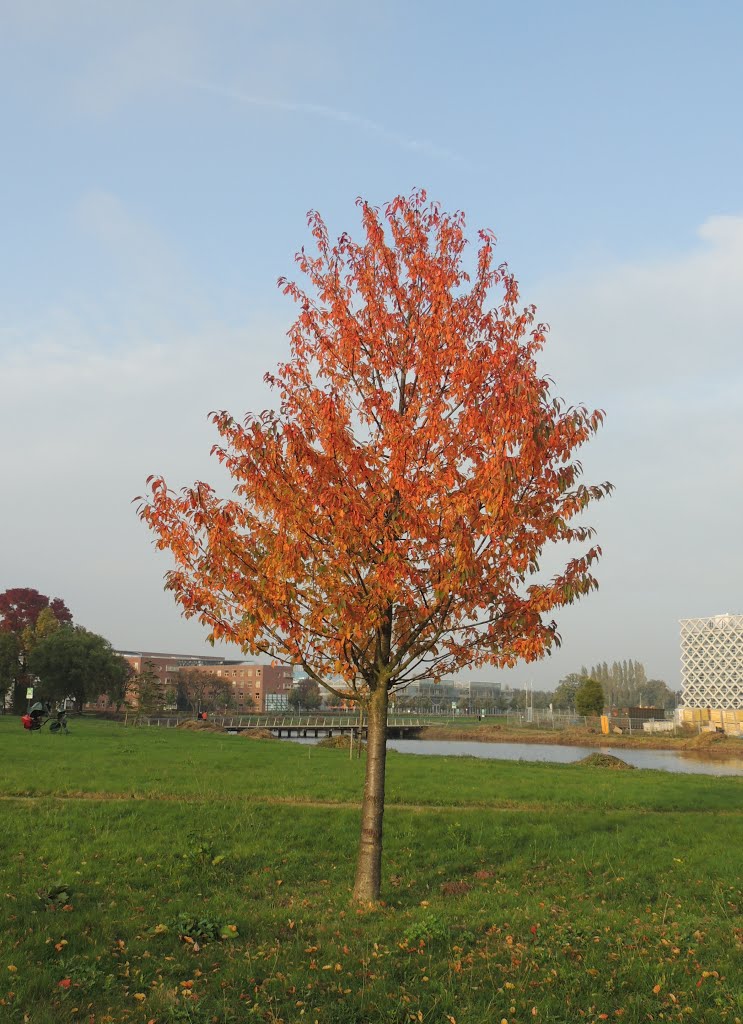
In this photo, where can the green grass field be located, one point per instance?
(162, 875)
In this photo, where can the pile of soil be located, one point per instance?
(340, 743)
(191, 725)
(710, 739)
(257, 734)
(604, 761)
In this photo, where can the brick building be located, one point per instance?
(254, 687)
(266, 686)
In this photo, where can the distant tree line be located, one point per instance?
(623, 684)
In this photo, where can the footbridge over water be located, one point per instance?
(306, 726)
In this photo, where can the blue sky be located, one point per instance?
(159, 161)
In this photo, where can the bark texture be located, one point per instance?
(369, 865)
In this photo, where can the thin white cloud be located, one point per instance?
(130, 239)
(145, 62)
(142, 282)
(654, 324)
(344, 117)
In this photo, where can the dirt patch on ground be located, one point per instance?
(598, 760)
(257, 734)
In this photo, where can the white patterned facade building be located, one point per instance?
(712, 662)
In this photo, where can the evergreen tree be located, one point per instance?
(589, 698)
(148, 690)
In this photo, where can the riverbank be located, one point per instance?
(581, 737)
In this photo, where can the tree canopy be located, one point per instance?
(564, 696)
(624, 683)
(73, 662)
(26, 616)
(10, 665)
(20, 608)
(386, 523)
(305, 694)
(201, 689)
(589, 698)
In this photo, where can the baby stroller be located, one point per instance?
(38, 714)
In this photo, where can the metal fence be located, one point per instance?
(545, 719)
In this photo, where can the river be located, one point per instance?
(691, 762)
(688, 762)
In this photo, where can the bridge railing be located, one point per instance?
(306, 721)
(285, 721)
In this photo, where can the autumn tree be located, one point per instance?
(20, 608)
(28, 616)
(386, 522)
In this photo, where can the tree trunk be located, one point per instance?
(20, 704)
(369, 864)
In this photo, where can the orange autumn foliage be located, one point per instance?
(386, 522)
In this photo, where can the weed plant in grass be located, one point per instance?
(516, 896)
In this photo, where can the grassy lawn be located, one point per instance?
(154, 875)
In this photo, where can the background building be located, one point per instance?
(253, 687)
(712, 662)
(448, 694)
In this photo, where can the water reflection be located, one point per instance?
(690, 762)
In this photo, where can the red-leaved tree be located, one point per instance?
(386, 522)
(20, 608)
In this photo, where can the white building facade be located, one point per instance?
(712, 662)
